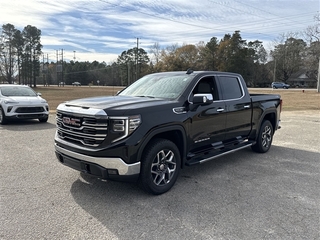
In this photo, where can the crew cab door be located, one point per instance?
(238, 107)
(208, 121)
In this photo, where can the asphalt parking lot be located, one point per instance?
(240, 196)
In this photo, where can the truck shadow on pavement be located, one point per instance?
(217, 194)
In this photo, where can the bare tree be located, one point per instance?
(311, 61)
(8, 53)
(312, 33)
(155, 49)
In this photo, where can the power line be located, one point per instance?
(155, 16)
(243, 26)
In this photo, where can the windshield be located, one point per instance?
(11, 91)
(168, 86)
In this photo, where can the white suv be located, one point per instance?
(21, 102)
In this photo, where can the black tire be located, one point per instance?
(265, 138)
(3, 119)
(160, 166)
(44, 119)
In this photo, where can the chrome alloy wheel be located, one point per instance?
(163, 167)
(266, 136)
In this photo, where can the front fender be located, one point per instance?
(176, 133)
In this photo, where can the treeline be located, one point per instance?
(21, 60)
(19, 54)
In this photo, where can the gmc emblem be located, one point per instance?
(71, 121)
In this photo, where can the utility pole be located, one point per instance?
(44, 82)
(19, 73)
(59, 67)
(274, 70)
(74, 62)
(128, 65)
(137, 55)
(47, 72)
(62, 67)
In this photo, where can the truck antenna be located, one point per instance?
(189, 71)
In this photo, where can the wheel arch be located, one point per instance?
(175, 133)
(4, 117)
(269, 115)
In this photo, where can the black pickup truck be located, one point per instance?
(161, 123)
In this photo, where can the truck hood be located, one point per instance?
(113, 103)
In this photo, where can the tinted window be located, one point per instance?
(206, 85)
(231, 88)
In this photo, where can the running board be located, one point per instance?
(222, 152)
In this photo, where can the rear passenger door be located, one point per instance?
(238, 107)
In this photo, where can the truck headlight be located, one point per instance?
(134, 123)
(124, 126)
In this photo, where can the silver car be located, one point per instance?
(21, 102)
(279, 85)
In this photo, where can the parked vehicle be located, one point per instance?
(162, 123)
(76, 84)
(279, 85)
(21, 102)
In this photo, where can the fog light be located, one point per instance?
(9, 109)
(113, 172)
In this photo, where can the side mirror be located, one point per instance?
(202, 99)
(39, 94)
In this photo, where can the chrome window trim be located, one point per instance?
(241, 87)
(209, 75)
(222, 100)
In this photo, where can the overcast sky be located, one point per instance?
(89, 30)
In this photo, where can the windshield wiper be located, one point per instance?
(146, 96)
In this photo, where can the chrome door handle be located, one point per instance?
(246, 106)
(220, 110)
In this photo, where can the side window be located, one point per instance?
(231, 88)
(206, 85)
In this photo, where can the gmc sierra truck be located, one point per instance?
(161, 123)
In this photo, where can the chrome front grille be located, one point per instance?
(81, 130)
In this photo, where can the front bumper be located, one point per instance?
(101, 167)
(25, 111)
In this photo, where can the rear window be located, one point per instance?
(231, 87)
